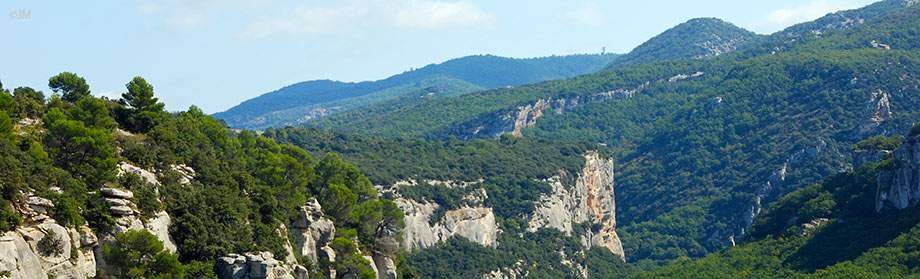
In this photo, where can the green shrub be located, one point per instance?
(51, 244)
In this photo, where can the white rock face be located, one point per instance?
(313, 232)
(21, 256)
(260, 265)
(900, 186)
(386, 268)
(474, 223)
(125, 168)
(590, 200)
(878, 109)
(159, 226)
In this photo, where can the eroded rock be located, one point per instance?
(590, 200)
(312, 232)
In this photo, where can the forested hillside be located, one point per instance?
(703, 145)
(827, 230)
(304, 101)
(111, 168)
(512, 172)
(696, 39)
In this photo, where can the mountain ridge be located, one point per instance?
(480, 71)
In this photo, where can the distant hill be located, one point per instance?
(696, 38)
(307, 100)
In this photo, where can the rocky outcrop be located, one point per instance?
(22, 255)
(187, 174)
(386, 268)
(259, 265)
(474, 223)
(878, 109)
(680, 77)
(591, 200)
(312, 233)
(513, 121)
(513, 272)
(899, 186)
(148, 176)
(766, 190)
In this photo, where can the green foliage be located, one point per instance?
(71, 87)
(97, 213)
(6, 124)
(93, 113)
(30, 103)
(138, 253)
(688, 40)
(51, 244)
(348, 260)
(7, 103)
(145, 196)
(856, 242)
(200, 270)
(67, 211)
(84, 151)
(879, 142)
(144, 110)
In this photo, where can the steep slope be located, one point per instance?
(852, 225)
(81, 197)
(529, 206)
(697, 38)
(312, 99)
(703, 145)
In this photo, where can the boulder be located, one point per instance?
(386, 268)
(121, 210)
(159, 226)
(116, 193)
(311, 231)
(148, 176)
(257, 265)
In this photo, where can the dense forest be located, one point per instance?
(827, 230)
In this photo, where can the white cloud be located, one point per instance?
(185, 21)
(188, 15)
(358, 14)
(588, 14)
(781, 18)
(434, 15)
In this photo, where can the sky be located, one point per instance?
(217, 53)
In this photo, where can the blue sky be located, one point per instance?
(215, 54)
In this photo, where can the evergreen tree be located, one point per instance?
(145, 110)
(72, 87)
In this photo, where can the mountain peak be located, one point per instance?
(696, 38)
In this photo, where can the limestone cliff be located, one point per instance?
(474, 223)
(590, 200)
(311, 233)
(899, 186)
(22, 255)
